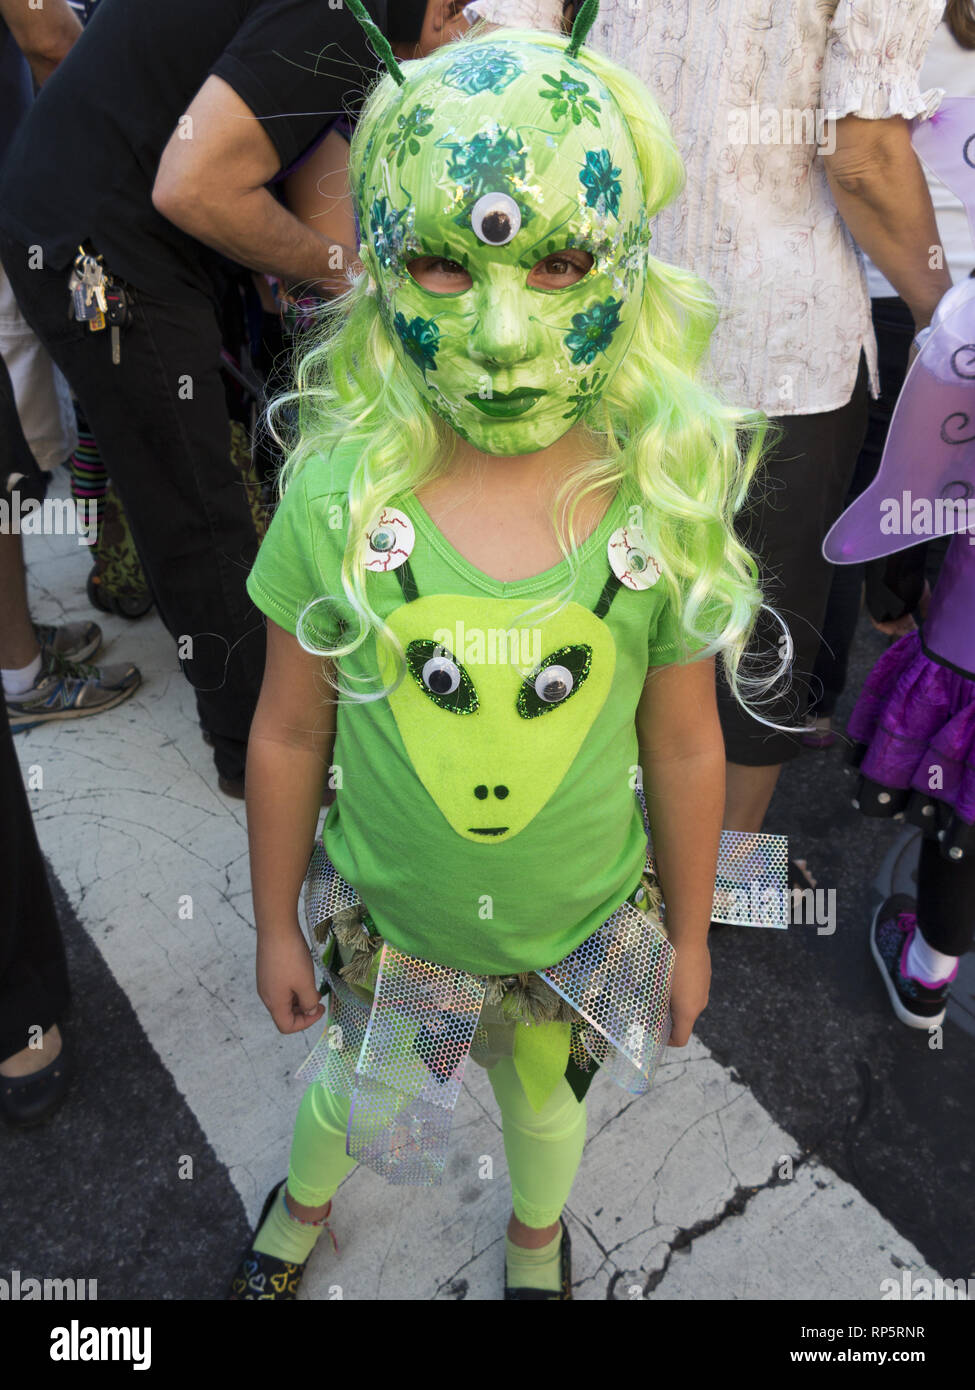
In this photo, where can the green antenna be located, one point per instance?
(381, 44)
(581, 25)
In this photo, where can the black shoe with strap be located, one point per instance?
(564, 1293)
(260, 1277)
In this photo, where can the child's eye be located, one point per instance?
(440, 275)
(563, 268)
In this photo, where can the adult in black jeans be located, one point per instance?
(152, 144)
(34, 990)
(894, 585)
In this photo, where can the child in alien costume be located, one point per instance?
(480, 889)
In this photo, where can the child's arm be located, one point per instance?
(288, 754)
(683, 759)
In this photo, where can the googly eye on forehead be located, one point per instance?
(496, 219)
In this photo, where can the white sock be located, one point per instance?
(18, 682)
(927, 964)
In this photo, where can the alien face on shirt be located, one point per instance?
(490, 734)
(502, 213)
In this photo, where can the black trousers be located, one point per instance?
(893, 583)
(33, 973)
(796, 496)
(945, 900)
(161, 421)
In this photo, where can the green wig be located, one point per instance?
(686, 456)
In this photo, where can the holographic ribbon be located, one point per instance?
(618, 981)
(402, 1061)
(751, 886)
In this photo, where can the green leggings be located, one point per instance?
(543, 1148)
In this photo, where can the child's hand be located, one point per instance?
(689, 989)
(286, 981)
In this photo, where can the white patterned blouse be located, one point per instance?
(747, 86)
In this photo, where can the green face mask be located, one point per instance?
(497, 158)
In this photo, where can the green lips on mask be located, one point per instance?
(507, 405)
(531, 135)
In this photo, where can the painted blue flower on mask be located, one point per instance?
(486, 70)
(421, 340)
(600, 178)
(592, 332)
(485, 162)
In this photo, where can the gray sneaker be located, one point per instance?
(73, 641)
(69, 690)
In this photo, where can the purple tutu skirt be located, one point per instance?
(914, 734)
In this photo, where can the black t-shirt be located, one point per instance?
(84, 162)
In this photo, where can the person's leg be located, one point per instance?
(797, 496)
(748, 791)
(839, 627)
(34, 990)
(318, 1165)
(161, 421)
(18, 644)
(319, 1162)
(945, 900)
(894, 329)
(43, 399)
(543, 1149)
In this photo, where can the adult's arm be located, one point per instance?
(871, 90)
(882, 195)
(318, 194)
(212, 185)
(44, 36)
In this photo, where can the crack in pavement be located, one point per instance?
(686, 1237)
(452, 1281)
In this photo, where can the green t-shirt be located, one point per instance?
(485, 827)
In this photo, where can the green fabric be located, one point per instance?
(534, 1269)
(543, 1148)
(318, 1158)
(284, 1237)
(418, 780)
(540, 1056)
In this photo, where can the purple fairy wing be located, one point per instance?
(946, 143)
(925, 485)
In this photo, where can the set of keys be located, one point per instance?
(96, 299)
